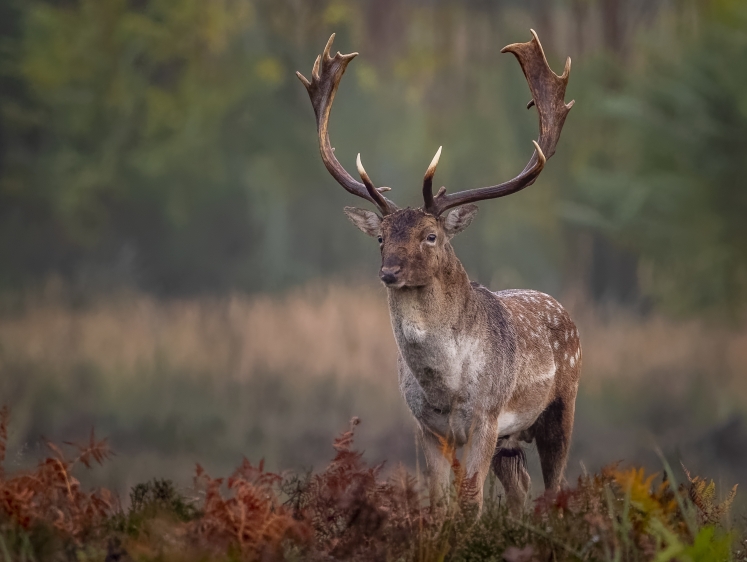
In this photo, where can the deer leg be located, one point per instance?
(438, 467)
(510, 466)
(479, 453)
(552, 432)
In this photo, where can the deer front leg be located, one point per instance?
(438, 468)
(478, 456)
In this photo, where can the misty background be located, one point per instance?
(176, 270)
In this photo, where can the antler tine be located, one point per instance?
(548, 95)
(325, 79)
(374, 192)
(428, 179)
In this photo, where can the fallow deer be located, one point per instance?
(478, 368)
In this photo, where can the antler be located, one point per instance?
(325, 78)
(548, 95)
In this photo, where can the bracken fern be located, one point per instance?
(353, 511)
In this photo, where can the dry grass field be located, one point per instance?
(208, 380)
(324, 330)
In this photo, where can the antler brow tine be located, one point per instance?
(428, 179)
(370, 188)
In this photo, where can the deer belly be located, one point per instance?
(513, 422)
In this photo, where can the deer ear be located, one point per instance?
(459, 219)
(367, 221)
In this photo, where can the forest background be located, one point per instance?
(176, 270)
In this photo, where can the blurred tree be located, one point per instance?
(664, 178)
(136, 101)
(165, 144)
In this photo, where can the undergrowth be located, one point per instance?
(352, 511)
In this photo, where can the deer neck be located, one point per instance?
(434, 328)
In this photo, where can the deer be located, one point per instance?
(479, 370)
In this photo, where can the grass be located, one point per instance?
(353, 511)
(320, 331)
(210, 380)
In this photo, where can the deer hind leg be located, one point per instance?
(552, 432)
(510, 466)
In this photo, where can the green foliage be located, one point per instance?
(155, 498)
(145, 120)
(154, 505)
(160, 494)
(707, 546)
(134, 107)
(134, 100)
(665, 179)
(167, 144)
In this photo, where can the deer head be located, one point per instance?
(415, 243)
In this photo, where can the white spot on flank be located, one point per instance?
(573, 361)
(556, 345)
(565, 356)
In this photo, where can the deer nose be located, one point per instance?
(388, 273)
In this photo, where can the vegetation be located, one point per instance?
(352, 511)
(211, 379)
(167, 146)
(662, 182)
(167, 237)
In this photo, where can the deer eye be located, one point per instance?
(380, 239)
(431, 238)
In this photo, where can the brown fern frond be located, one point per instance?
(703, 495)
(344, 441)
(97, 451)
(354, 514)
(50, 495)
(249, 518)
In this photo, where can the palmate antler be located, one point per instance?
(548, 95)
(325, 78)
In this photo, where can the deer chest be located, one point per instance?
(442, 362)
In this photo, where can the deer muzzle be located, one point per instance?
(389, 274)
